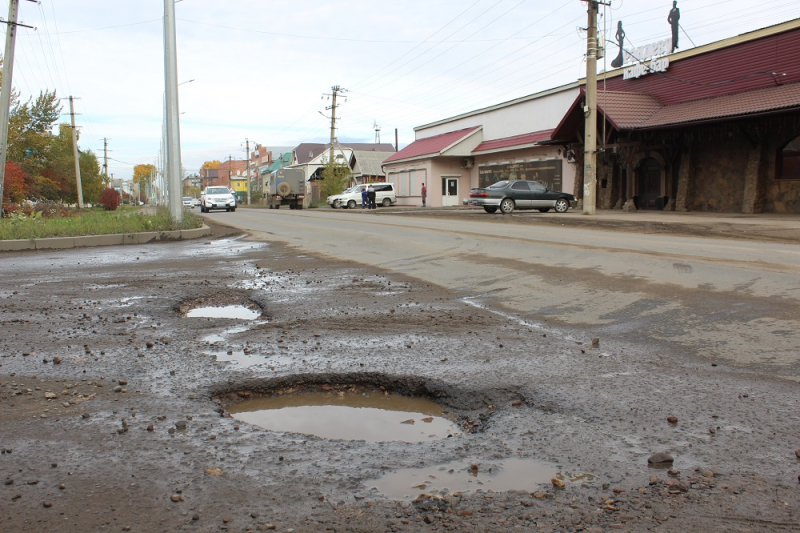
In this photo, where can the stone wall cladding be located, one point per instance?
(717, 175)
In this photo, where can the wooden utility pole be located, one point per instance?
(590, 112)
(105, 157)
(5, 93)
(247, 173)
(76, 154)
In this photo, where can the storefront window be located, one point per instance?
(789, 161)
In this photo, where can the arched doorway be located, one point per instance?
(650, 184)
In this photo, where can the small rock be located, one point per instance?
(409, 421)
(797, 453)
(150, 427)
(559, 484)
(47, 505)
(123, 382)
(672, 419)
(227, 519)
(212, 471)
(660, 458)
(596, 342)
(50, 395)
(176, 498)
(180, 424)
(57, 360)
(516, 403)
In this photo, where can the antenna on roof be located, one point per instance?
(377, 129)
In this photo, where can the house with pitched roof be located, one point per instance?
(505, 141)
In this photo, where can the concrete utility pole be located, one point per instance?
(335, 90)
(173, 144)
(75, 153)
(590, 111)
(5, 93)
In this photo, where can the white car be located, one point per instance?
(217, 198)
(350, 198)
(187, 202)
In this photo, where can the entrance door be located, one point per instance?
(650, 173)
(449, 192)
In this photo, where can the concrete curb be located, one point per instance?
(88, 241)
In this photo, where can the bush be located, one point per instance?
(110, 199)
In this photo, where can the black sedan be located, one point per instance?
(520, 194)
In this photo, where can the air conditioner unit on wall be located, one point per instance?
(468, 162)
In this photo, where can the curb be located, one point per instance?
(87, 241)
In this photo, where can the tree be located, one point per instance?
(29, 130)
(211, 165)
(335, 178)
(142, 174)
(17, 183)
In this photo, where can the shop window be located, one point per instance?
(788, 161)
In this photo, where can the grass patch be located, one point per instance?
(94, 222)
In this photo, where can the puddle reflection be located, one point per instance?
(459, 476)
(349, 416)
(238, 312)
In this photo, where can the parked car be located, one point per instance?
(187, 202)
(350, 198)
(520, 194)
(217, 198)
(195, 202)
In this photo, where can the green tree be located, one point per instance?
(335, 178)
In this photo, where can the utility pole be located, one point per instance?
(5, 93)
(105, 157)
(247, 162)
(590, 112)
(173, 144)
(335, 90)
(75, 153)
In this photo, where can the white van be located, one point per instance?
(351, 198)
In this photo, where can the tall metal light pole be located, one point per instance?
(173, 144)
(590, 111)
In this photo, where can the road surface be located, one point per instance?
(719, 299)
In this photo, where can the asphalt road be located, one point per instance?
(734, 301)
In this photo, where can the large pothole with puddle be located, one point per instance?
(345, 412)
(229, 306)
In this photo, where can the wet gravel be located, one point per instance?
(113, 414)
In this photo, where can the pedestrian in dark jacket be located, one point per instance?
(364, 198)
(371, 196)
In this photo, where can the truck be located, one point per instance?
(287, 186)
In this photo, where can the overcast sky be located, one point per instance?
(261, 68)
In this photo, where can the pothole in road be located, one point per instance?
(230, 307)
(468, 476)
(345, 415)
(238, 312)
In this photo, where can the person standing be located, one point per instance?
(364, 198)
(424, 194)
(371, 196)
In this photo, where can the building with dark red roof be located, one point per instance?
(715, 128)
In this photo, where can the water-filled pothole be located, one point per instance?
(238, 312)
(371, 417)
(468, 476)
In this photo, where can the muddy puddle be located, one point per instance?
(245, 358)
(468, 476)
(350, 416)
(237, 312)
